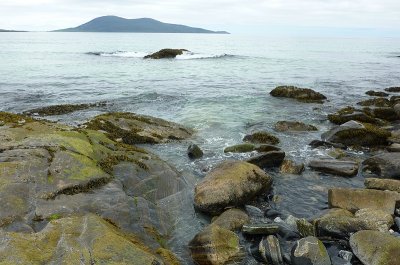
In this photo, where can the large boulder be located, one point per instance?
(294, 126)
(385, 165)
(166, 54)
(375, 248)
(216, 245)
(354, 133)
(356, 199)
(75, 240)
(382, 184)
(138, 129)
(301, 94)
(310, 251)
(232, 183)
(335, 167)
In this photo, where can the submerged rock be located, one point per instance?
(301, 94)
(267, 160)
(75, 240)
(166, 54)
(382, 184)
(310, 251)
(270, 251)
(232, 183)
(216, 246)
(376, 93)
(385, 165)
(261, 138)
(354, 133)
(63, 109)
(194, 151)
(356, 199)
(138, 129)
(392, 89)
(335, 167)
(294, 126)
(375, 248)
(291, 167)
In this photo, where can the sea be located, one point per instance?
(220, 88)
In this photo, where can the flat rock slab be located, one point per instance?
(356, 199)
(335, 167)
(382, 184)
(384, 165)
(232, 183)
(375, 248)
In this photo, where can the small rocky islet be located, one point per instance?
(90, 195)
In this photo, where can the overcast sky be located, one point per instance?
(236, 16)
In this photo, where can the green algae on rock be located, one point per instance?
(301, 94)
(62, 109)
(138, 129)
(294, 126)
(261, 137)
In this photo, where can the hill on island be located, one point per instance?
(4, 30)
(140, 25)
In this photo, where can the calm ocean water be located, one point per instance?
(222, 89)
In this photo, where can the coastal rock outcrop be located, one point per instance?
(301, 94)
(354, 133)
(166, 54)
(294, 126)
(62, 109)
(385, 165)
(376, 93)
(132, 128)
(393, 89)
(375, 248)
(231, 183)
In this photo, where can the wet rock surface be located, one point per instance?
(63, 109)
(166, 54)
(194, 151)
(301, 94)
(382, 184)
(384, 165)
(335, 167)
(294, 126)
(262, 137)
(268, 159)
(291, 167)
(310, 251)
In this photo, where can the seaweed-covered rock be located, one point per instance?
(268, 159)
(354, 133)
(351, 114)
(261, 138)
(375, 248)
(376, 93)
(392, 89)
(231, 183)
(376, 102)
(385, 113)
(76, 240)
(138, 129)
(232, 219)
(319, 143)
(301, 94)
(240, 148)
(62, 109)
(165, 54)
(382, 184)
(216, 246)
(294, 126)
(310, 251)
(386, 165)
(291, 167)
(335, 167)
(194, 151)
(356, 199)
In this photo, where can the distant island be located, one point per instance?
(140, 25)
(4, 30)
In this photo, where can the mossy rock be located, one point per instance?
(62, 109)
(376, 102)
(392, 89)
(350, 113)
(262, 137)
(14, 119)
(376, 93)
(294, 126)
(301, 94)
(166, 54)
(387, 114)
(240, 148)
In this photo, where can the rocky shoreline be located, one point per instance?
(89, 195)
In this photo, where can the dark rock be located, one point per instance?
(319, 143)
(353, 133)
(232, 183)
(382, 184)
(351, 114)
(387, 114)
(216, 245)
(385, 165)
(194, 151)
(270, 251)
(166, 54)
(267, 148)
(394, 148)
(310, 251)
(291, 167)
(397, 221)
(301, 94)
(261, 138)
(375, 248)
(62, 109)
(335, 167)
(240, 148)
(396, 109)
(392, 89)
(261, 229)
(356, 199)
(293, 126)
(268, 160)
(376, 93)
(376, 102)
